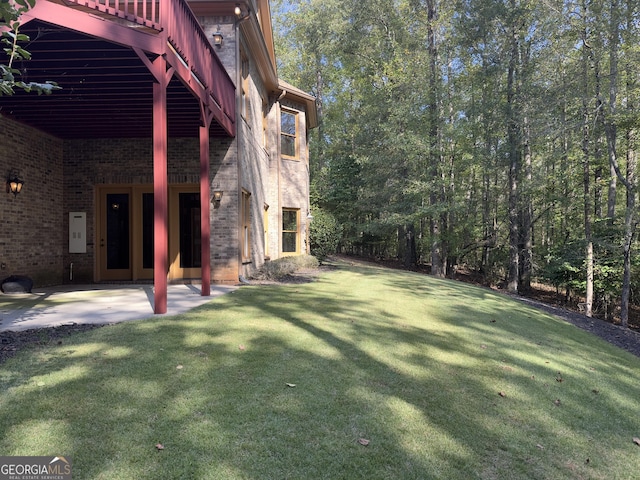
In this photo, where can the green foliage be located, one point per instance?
(424, 104)
(282, 267)
(564, 267)
(10, 38)
(325, 234)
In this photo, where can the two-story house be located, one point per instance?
(172, 152)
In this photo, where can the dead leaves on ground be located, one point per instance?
(636, 440)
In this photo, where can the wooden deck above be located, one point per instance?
(99, 52)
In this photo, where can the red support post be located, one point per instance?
(160, 197)
(205, 209)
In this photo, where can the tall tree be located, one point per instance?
(477, 132)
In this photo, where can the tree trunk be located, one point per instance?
(631, 183)
(526, 265)
(610, 126)
(514, 166)
(629, 228)
(586, 173)
(437, 265)
(410, 255)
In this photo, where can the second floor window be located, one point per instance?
(289, 134)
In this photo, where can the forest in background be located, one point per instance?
(498, 136)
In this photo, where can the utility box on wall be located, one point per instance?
(77, 232)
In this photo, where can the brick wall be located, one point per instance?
(61, 177)
(290, 178)
(130, 161)
(32, 238)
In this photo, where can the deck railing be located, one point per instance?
(142, 12)
(185, 36)
(182, 26)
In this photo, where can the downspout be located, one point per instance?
(278, 173)
(240, 17)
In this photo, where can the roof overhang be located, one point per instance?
(298, 96)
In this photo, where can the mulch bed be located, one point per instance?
(624, 338)
(12, 342)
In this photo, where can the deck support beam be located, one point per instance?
(205, 204)
(162, 75)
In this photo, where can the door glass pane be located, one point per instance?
(147, 230)
(117, 216)
(190, 238)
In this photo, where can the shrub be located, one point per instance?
(282, 267)
(324, 234)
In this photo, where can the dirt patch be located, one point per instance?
(624, 338)
(12, 342)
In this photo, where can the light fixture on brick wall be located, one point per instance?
(217, 197)
(218, 38)
(14, 184)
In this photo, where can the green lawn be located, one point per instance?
(443, 380)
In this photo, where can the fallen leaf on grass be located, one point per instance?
(291, 385)
(502, 394)
(541, 447)
(179, 367)
(557, 402)
(636, 440)
(241, 347)
(159, 446)
(363, 441)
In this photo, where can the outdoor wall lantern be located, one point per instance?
(217, 197)
(14, 185)
(218, 38)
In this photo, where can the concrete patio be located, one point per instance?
(95, 304)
